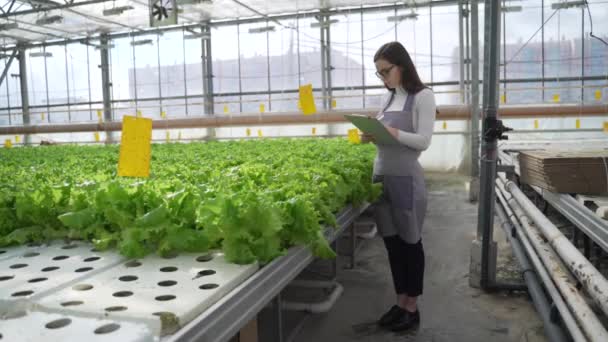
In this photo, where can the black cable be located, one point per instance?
(591, 25)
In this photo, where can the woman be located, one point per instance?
(409, 115)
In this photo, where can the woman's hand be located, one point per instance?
(367, 138)
(393, 131)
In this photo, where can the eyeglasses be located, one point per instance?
(384, 72)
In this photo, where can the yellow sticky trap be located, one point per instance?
(97, 138)
(605, 126)
(578, 123)
(314, 130)
(138, 114)
(179, 135)
(333, 103)
(134, 159)
(556, 98)
(8, 143)
(260, 133)
(353, 136)
(226, 109)
(262, 108)
(248, 131)
(167, 136)
(17, 139)
(99, 115)
(503, 98)
(598, 95)
(445, 125)
(306, 100)
(42, 116)
(163, 115)
(535, 124)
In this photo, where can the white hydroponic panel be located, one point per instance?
(39, 326)
(9, 252)
(172, 291)
(35, 271)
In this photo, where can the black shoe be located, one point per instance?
(407, 321)
(391, 316)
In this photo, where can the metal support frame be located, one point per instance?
(224, 319)
(106, 85)
(25, 102)
(489, 147)
(206, 62)
(8, 65)
(474, 99)
(461, 48)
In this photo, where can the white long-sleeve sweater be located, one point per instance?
(424, 110)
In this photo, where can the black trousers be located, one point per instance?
(407, 265)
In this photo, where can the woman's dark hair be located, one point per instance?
(396, 54)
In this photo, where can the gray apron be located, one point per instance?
(402, 206)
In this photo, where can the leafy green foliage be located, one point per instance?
(253, 199)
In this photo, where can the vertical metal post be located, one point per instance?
(583, 55)
(431, 35)
(461, 49)
(323, 60)
(328, 58)
(467, 58)
(160, 89)
(475, 97)
(134, 74)
(268, 68)
(89, 83)
(67, 82)
(184, 70)
(25, 102)
(278, 317)
(542, 47)
(504, 52)
(46, 82)
(489, 146)
(106, 85)
(207, 69)
(238, 49)
(362, 59)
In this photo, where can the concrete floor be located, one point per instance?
(450, 309)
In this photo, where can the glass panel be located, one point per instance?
(348, 99)
(36, 76)
(378, 31)
(285, 102)
(283, 57)
(523, 93)
(123, 78)
(95, 74)
(146, 66)
(194, 67)
(226, 105)
(254, 62)
(446, 65)
(346, 51)
(562, 33)
(78, 73)
(309, 44)
(415, 35)
(225, 59)
(523, 61)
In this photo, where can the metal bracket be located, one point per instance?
(494, 130)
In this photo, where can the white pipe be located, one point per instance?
(586, 318)
(319, 307)
(593, 281)
(541, 271)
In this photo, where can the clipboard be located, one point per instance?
(373, 127)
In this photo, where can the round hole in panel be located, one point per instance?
(72, 303)
(83, 269)
(167, 283)
(37, 280)
(208, 286)
(106, 329)
(70, 246)
(133, 263)
(58, 323)
(15, 266)
(3, 278)
(82, 287)
(34, 244)
(31, 254)
(14, 315)
(168, 269)
(92, 259)
(95, 250)
(49, 269)
(61, 257)
(205, 258)
(128, 278)
(122, 294)
(165, 298)
(115, 308)
(2, 251)
(206, 273)
(22, 293)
